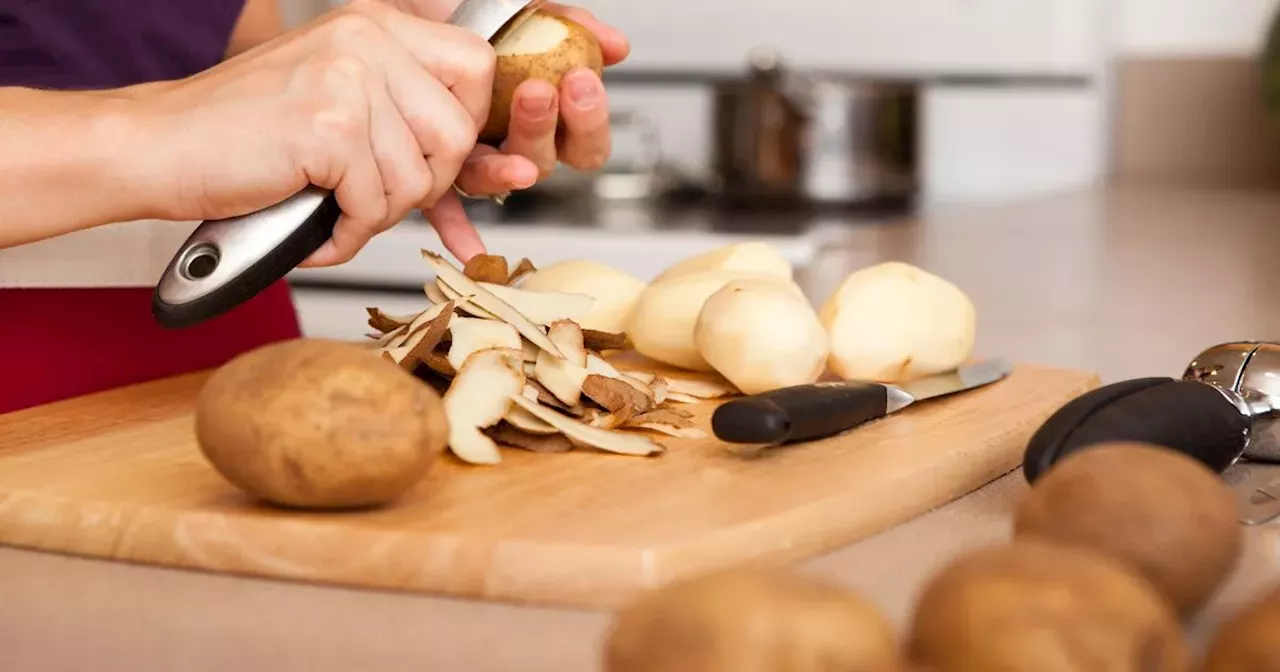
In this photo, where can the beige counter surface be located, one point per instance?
(1126, 283)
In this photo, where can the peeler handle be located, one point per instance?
(226, 262)
(1190, 417)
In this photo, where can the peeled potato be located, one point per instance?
(317, 424)
(614, 291)
(751, 620)
(661, 324)
(750, 257)
(544, 46)
(893, 322)
(761, 336)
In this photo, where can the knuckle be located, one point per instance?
(354, 25)
(457, 139)
(591, 160)
(343, 69)
(478, 60)
(337, 122)
(413, 185)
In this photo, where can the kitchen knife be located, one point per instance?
(226, 262)
(818, 410)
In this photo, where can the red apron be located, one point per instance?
(61, 343)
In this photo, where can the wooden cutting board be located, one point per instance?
(118, 475)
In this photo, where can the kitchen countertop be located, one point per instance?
(1128, 282)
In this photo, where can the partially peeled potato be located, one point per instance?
(544, 46)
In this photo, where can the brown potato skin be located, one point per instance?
(751, 619)
(317, 424)
(1247, 641)
(580, 49)
(1039, 606)
(1164, 513)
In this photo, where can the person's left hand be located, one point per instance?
(532, 148)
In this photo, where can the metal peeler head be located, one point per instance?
(489, 18)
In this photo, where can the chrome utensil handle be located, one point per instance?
(226, 262)
(1191, 417)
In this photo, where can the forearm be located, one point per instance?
(69, 161)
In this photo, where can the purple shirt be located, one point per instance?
(97, 44)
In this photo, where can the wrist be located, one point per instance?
(126, 152)
(70, 161)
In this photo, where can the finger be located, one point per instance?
(489, 173)
(406, 176)
(442, 128)
(586, 142)
(433, 10)
(535, 108)
(614, 46)
(454, 227)
(341, 133)
(461, 60)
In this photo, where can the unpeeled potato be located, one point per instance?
(1164, 513)
(1247, 641)
(893, 322)
(1039, 606)
(544, 46)
(318, 424)
(751, 620)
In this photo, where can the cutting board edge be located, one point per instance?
(654, 568)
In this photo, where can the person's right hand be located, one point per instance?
(377, 105)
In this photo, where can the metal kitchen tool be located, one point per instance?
(1223, 409)
(818, 410)
(228, 261)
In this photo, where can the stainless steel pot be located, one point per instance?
(789, 139)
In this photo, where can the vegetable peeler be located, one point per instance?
(226, 262)
(1224, 411)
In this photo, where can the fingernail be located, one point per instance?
(519, 177)
(537, 105)
(584, 90)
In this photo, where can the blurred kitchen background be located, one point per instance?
(800, 121)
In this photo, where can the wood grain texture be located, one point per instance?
(118, 475)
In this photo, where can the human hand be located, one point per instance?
(579, 107)
(380, 106)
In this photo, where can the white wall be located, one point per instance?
(980, 144)
(1163, 28)
(902, 35)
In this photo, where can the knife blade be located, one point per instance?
(225, 262)
(819, 410)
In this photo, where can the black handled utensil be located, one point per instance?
(1184, 415)
(226, 262)
(1222, 412)
(818, 410)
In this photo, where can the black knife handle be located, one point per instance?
(799, 413)
(1187, 416)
